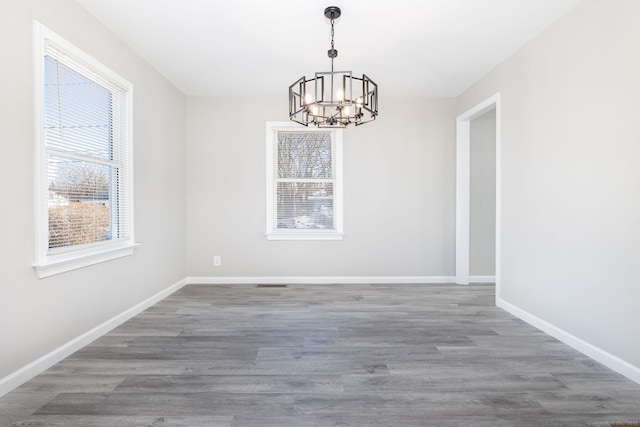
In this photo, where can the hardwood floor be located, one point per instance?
(325, 355)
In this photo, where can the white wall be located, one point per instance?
(482, 224)
(570, 177)
(37, 316)
(399, 193)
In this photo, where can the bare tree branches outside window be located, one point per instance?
(78, 204)
(305, 180)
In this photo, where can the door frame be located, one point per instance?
(463, 187)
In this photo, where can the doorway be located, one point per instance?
(463, 189)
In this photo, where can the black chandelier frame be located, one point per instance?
(333, 98)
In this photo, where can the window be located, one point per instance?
(304, 182)
(83, 158)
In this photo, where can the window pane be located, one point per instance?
(77, 113)
(304, 155)
(305, 205)
(79, 202)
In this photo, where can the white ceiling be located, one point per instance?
(260, 47)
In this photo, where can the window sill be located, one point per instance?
(304, 235)
(61, 263)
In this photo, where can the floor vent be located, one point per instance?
(271, 286)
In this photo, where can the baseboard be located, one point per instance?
(322, 280)
(609, 360)
(24, 374)
(482, 279)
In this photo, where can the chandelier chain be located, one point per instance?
(332, 50)
(332, 47)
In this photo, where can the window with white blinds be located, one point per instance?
(84, 158)
(304, 182)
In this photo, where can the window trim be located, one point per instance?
(304, 234)
(47, 264)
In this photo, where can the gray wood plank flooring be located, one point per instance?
(325, 355)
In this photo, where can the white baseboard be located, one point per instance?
(609, 360)
(24, 374)
(322, 280)
(482, 279)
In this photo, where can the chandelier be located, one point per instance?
(333, 98)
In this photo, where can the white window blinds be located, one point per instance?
(304, 188)
(304, 180)
(84, 150)
(83, 136)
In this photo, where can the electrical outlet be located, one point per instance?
(217, 261)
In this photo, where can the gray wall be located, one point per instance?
(570, 175)
(482, 224)
(37, 316)
(399, 193)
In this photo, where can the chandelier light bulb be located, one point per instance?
(308, 99)
(347, 112)
(340, 95)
